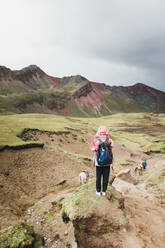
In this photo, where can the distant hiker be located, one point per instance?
(103, 158)
(144, 164)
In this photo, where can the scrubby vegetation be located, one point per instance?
(20, 236)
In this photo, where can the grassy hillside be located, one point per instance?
(121, 103)
(53, 100)
(74, 84)
(47, 101)
(34, 102)
(135, 131)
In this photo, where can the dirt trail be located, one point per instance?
(147, 218)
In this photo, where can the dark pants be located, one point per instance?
(102, 172)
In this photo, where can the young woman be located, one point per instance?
(102, 171)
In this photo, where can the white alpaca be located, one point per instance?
(83, 176)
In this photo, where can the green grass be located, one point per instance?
(74, 110)
(155, 176)
(82, 201)
(155, 148)
(118, 124)
(12, 125)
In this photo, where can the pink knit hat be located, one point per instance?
(102, 131)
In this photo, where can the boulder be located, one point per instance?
(126, 175)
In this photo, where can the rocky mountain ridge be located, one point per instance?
(84, 97)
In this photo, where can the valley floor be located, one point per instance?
(35, 182)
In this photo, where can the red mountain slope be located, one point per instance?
(32, 90)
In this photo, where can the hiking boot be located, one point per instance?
(98, 193)
(103, 193)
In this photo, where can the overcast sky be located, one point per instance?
(117, 42)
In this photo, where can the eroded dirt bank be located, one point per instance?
(27, 175)
(35, 182)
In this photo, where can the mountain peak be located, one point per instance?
(77, 79)
(31, 68)
(28, 73)
(140, 87)
(140, 84)
(5, 73)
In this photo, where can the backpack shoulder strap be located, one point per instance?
(100, 141)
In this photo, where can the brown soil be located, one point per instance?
(32, 179)
(29, 174)
(147, 223)
(146, 217)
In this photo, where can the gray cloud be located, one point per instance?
(116, 42)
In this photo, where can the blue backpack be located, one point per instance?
(144, 164)
(104, 152)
